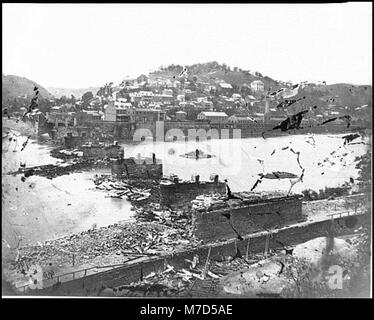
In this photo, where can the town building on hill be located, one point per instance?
(118, 113)
(257, 86)
(217, 117)
(142, 78)
(238, 119)
(149, 115)
(205, 105)
(181, 98)
(88, 115)
(236, 96)
(168, 92)
(180, 116)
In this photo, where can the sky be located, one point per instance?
(81, 45)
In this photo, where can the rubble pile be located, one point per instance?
(138, 192)
(172, 282)
(51, 171)
(145, 197)
(120, 189)
(177, 282)
(147, 239)
(74, 152)
(225, 265)
(88, 150)
(211, 202)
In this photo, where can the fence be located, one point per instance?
(84, 273)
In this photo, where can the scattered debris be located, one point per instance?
(292, 122)
(279, 175)
(197, 154)
(350, 137)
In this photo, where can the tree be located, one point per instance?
(63, 99)
(244, 90)
(235, 87)
(86, 97)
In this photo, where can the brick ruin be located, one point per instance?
(130, 168)
(179, 194)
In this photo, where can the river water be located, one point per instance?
(241, 160)
(41, 209)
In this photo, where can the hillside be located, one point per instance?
(344, 98)
(211, 71)
(67, 92)
(20, 87)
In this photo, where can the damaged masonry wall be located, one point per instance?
(129, 169)
(180, 194)
(246, 219)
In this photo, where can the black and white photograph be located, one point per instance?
(186, 151)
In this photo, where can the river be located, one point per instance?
(241, 160)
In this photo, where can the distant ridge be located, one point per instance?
(17, 87)
(67, 92)
(211, 71)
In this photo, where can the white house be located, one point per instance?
(213, 116)
(240, 119)
(225, 85)
(181, 98)
(180, 115)
(257, 86)
(201, 99)
(236, 96)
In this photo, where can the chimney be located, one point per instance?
(197, 179)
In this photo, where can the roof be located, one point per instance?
(124, 105)
(257, 81)
(214, 114)
(180, 112)
(226, 85)
(236, 95)
(149, 110)
(241, 117)
(93, 112)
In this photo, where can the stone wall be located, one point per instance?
(213, 225)
(129, 169)
(98, 131)
(180, 195)
(101, 152)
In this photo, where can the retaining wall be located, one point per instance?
(213, 225)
